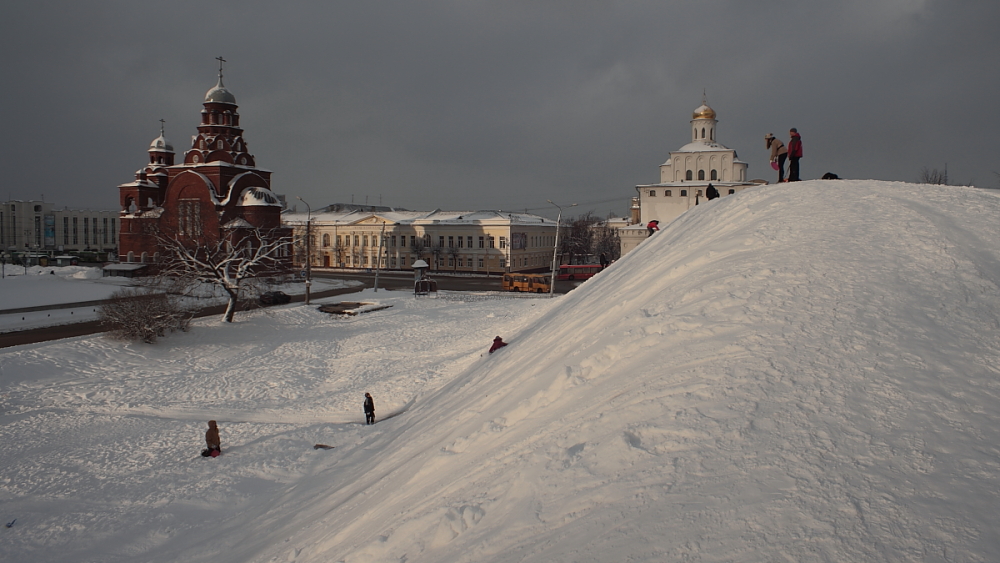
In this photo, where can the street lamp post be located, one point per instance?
(308, 246)
(555, 249)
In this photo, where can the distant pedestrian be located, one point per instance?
(778, 154)
(794, 154)
(604, 260)
(652, 227)
(711, 193)
(212, 440)
(369, 409)
(498, 343)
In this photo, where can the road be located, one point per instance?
(391, 281)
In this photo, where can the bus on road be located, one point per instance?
(532, 283)
(577, 271)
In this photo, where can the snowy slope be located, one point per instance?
(792, 373)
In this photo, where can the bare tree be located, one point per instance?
(141, 314)
(237, 266)
(933, 176)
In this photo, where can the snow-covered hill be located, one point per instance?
(803, 372)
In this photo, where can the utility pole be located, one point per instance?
(308, 246)
(555, 249)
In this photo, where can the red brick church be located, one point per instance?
(216, 193)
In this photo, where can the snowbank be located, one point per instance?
(791, 373)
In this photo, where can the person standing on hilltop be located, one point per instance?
(794, 154)
(778, 154)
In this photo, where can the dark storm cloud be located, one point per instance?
(463, 104)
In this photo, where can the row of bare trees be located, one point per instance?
(586, 237)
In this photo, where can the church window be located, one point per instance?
(326, 240)
(130, 257)
(219, 145)
(195, 158)
(715, 174)
(701, 174)
(652, 193)
(189, 217)
(702, 132)
(688, 176)
(667, 193)
(201, 144)
(684, 193)
(711, 134)
(144, 257)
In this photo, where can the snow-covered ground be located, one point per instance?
(38, 286)
(802, 372)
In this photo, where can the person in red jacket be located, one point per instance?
(652, 227)
(498, 343)
(794, 154)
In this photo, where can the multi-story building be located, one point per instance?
(483, 242)
(216, 194)
(39, 226)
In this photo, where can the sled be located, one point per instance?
(323, 447)
(774, 165)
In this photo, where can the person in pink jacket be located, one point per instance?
(794, 154)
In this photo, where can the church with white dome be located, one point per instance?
(685, 176)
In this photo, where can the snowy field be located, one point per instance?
(37, 286)
(801, 372)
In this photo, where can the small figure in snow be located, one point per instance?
(794, 154)
(604, 260)
(711, 193)
(212, 439)
(652, 227)
(369, 409)
(778, 154)
(498, 343)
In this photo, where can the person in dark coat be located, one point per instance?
(711, 193)
(212, 440)
(604, 260)
(652, 227)
(794, 154)
(778, 154)
(369, 409)
(498, 343)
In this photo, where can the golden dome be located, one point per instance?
(704, 112)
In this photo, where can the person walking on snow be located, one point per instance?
(794, 154)
(498, 343)
(369, 409)
(213, 441)
(778, 154)
(652, 227)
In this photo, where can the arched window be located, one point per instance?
(688, 176)
(326, 239)
(220, 145)
(711, 134)
(715, 175)
(667, 193)
(702, 132)
(701, 174)
(144, 257)
(130, 257)
(684, 193)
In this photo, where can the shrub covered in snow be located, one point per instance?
(140, 314)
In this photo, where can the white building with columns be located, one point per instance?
(685, 176)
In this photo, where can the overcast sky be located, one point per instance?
(496, 105)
